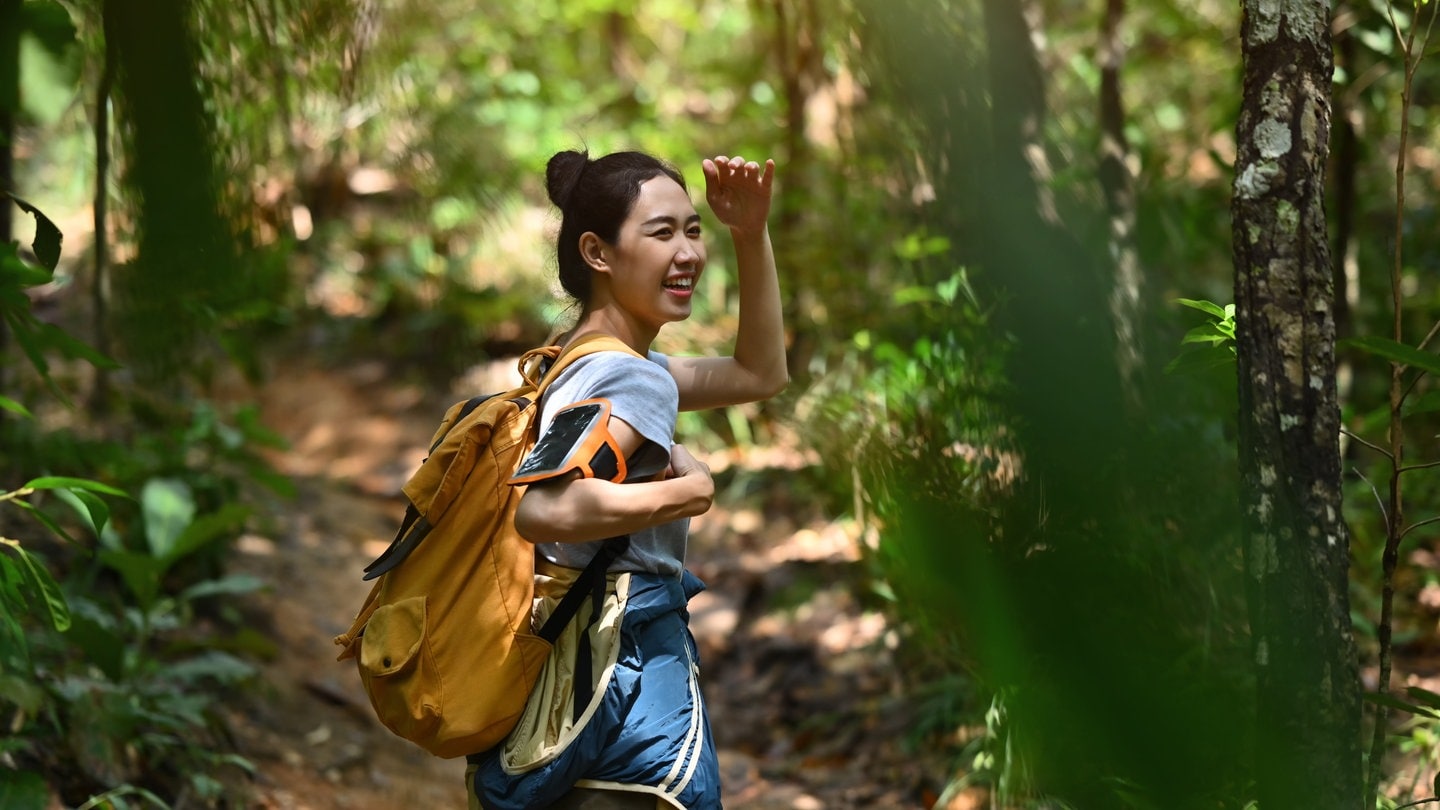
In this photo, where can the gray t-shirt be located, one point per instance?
(643, 394)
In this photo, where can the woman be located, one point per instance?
(617, 720)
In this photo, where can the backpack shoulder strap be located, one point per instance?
(410, 534)
(563, 357)
(584, 586)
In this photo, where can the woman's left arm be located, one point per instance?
(739, 193)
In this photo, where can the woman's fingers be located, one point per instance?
(723, 168)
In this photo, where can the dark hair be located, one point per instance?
(595, 196)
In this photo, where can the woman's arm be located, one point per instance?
(576, 510)
(739, 194)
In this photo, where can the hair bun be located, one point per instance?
(562, 176)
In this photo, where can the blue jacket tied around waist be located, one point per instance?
(649, 733)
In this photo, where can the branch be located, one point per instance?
(1414, 67)
(1429, 336)
(1377, 448)
(19, 493)
(1418, 525)
(1418, 803)
(1427, 465)
(1378, 500)
(1390, 11)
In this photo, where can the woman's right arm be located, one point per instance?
(577, 510)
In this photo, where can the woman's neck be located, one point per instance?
(609, 321)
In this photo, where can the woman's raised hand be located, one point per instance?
(738, 191)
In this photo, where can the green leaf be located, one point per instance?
(115, 800)
(1395, 352)
(23, 790)
(8, 404)
(61, 482)
(94, 511)
(1424, 696)
(208, 527)
(24, 327)
(16, 271)
(1379, 40)
(72, 347)
(25, 693)
(949, 288)
(45, 585)
(1393, 702)
(47, 236)
(1205, 333)
(233, 585)
(46, 520)
(1201, 360)
(217, 666)
(1203, 306)
(1428, 402)
(49, 23)
(169, 508)
(141, 572)
(913, 295)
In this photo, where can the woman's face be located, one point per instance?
(659, 255)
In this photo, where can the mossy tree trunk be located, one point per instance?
(1297, 544)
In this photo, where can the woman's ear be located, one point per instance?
(592, 250)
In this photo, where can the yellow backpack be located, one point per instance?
(443, 642)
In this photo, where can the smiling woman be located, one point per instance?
(617, 719)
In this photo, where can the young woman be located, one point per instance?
(617, 720)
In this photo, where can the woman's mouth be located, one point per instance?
(683, 286)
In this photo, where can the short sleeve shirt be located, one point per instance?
(643, 394)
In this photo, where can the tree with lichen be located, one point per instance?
(1297, 544)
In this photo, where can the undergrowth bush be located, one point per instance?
(113, 655)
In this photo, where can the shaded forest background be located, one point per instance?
(1004, 235)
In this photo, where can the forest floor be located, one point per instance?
(801, 678)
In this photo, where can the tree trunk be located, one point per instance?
(100, 396)
(1297, 544)
(1119, 188)
(1345, 173)
(1063, 352)
(797, 53)
(9, 106)
(186, 269)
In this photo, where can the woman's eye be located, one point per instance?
(695, 233)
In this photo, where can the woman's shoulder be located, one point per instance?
(611, 368)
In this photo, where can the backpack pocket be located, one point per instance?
(394, 664)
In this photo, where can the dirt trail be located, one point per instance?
(800, 678)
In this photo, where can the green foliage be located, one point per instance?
(171, 531)
(901, 308)
(1210, 345)
(1402, 354)
(110, 688)
(36, 338)
(118, 693)
(20, 790)
(1071, 550)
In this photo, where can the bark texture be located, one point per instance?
(1118, 185)
(1297, 545)
(9, 106)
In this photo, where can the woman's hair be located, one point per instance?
(595, 196)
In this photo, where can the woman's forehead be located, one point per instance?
(661, 196)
